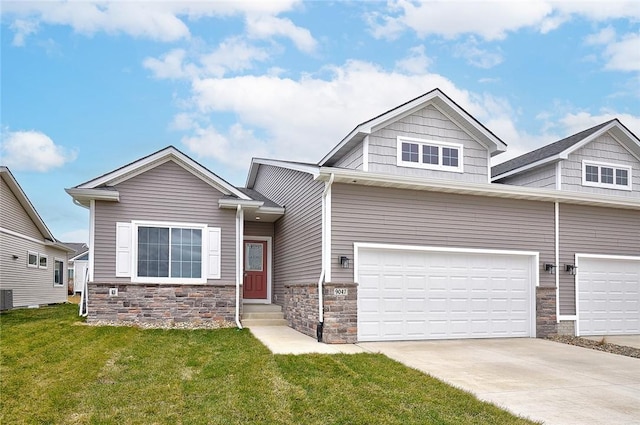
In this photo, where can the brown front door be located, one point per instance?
(255, 270)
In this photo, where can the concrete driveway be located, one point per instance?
(539, 379)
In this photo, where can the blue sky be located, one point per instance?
(90, 86)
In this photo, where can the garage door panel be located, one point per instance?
(440, 295)
(608, 296)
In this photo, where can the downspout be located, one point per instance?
(325, 260)
(239, 262)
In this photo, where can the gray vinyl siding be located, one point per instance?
(13, 216)
(429, 124)
(31, 286)
(421, 218)
(257, 228)
(543, 177)
(352, 159)
(593, 230)
(166, 193)
(603, 149)
(298, 234)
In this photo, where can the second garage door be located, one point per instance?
(415, 294)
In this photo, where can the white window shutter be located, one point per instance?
(213, 254)
(123, 249)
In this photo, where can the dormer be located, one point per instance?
(429, 137)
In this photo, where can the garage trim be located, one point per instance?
(577, 279)
(535, 261)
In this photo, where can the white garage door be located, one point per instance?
(608, 295)
(408, 294)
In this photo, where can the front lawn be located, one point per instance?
(55, 370)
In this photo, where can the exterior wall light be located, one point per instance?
(15, 257)
(344, 261)
(571, 269)
(550, 268)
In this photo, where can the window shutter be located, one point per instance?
(213, 254)
(123, 249)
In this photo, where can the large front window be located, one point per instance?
(432, 155)
(169, 252)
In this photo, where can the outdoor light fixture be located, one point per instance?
(570, 268)
(550, 268)
(15, 257)
(344, 261)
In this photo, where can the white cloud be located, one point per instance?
(416, 62)
(266, 26)
(490, 20)
(233, 54)
(575, 122)
(78, 236)
(158, 20)
(33, 151)
(170, 66)
(604, 36)
(476, 56)
(624, 55)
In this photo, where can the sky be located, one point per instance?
(87, 87)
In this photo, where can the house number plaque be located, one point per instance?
(340, 291)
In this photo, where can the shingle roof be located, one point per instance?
(255, 195)
(545, 151)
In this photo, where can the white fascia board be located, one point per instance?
(60, 246)
(233, 203)
(79, 255)
(481, 189)
(84, 196)
(138, 167)
(612, 128)
(531, 166)
(256, 162)
(363, 130)
(270, 210)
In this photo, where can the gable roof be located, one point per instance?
(304, 167)
(101, 187)
(562, 148)
(79, 248)
(29, 209)
(442, 102)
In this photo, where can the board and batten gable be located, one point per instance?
(428, 124)
(542, 177)
(297, 234)
(593, 230)
(30, 285)
(369, 214)
(604, 149)
(166, 193)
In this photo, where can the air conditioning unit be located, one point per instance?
(6, 299)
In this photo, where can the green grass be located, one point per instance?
(55, 370)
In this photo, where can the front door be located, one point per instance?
(255, 270)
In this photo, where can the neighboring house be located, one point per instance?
(33, 263)
(398, 233)
(78, 266)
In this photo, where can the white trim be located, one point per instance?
(600, 165)
(488, 167)
(559, 175)
(92, 238)
(328, 262)
(269, 241)
(62, 274)
(256, 162)
(21, 236)
(567, 317)
(426, 142)
(343, 175)
(535, 261)
(577, 280)
(556, 231)
(365, 153)
(135, 224)
(29, 265)
(46, 260)
(527, 167)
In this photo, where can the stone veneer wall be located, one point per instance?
(546, 323)
(340, 311)
(161, 303)
(567, 327)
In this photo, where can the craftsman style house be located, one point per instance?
(403, 231)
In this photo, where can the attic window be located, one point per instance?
(610, 176)
(429, 154)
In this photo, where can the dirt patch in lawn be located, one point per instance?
(601, 345)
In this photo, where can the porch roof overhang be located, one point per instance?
(342, 175)
(253, 210)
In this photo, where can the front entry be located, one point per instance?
(255, 270)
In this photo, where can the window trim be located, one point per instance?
(62, 272)
(425, 142)
(46, 261)
(170, 280)
(35, 254)
(599, 184)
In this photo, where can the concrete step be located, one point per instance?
(255, 308)
(263, 322)
(263, 315)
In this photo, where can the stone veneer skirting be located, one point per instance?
(546, 320)
(340, 311)
(161, 303)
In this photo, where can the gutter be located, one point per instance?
(239, 262)
(325, 259)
